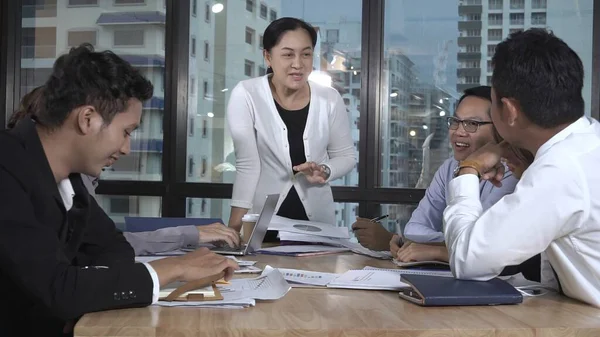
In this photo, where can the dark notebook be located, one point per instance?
(447, 291)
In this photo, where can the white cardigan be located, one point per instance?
(263, 164)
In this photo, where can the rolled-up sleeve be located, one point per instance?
(481, 244)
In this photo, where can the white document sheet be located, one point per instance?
(368, 280)
(270, 285)
(282, 224)
(307, 277)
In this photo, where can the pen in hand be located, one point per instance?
(379, 218)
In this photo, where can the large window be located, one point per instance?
(428, 65)
(120, 206)
(124, 30)
(397, 90)
(338, 56)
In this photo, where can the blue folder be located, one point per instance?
(144, 224)
(429, 290)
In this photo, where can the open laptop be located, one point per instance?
(258, 234)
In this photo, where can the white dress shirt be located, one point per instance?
(65, 188)
(555, 209)
(263, 163)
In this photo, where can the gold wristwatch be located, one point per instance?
(467, 164)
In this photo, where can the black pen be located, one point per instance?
(379, 218)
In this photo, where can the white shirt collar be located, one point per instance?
(65, 188)
(579, 124)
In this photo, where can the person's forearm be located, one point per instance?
(167, 269)
(443, 252)
(235, 219)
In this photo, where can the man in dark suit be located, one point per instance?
(60, 254)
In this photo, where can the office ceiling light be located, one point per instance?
(394, 94)
(425, 127)
(223, 90)
(217, 8)
(210, 114)
(442, 113)
(412, 133)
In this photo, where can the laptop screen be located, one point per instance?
(262, 224)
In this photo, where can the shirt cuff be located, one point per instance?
(155, 282)
(463, 186)
(191, 236)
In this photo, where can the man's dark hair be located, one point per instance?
(482, 91)
(85, 77)
(543, 74)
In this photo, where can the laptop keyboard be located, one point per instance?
(230, 249)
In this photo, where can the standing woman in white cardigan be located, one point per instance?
(291, 136)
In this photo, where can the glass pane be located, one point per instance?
(51, 28)
(432, 56)
(241, 23)
(345, 213)
(398, 216)
(119, 206)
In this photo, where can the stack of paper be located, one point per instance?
(302, 250)
(242, 293)
(355, 247)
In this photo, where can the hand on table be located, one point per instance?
(412, 251)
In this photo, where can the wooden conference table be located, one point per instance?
(342, 312)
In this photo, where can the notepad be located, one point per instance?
(368, 280)
(206, 292)
(441, 273)
(444, 291)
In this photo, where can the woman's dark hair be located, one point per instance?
(29, 105)
(277, 28)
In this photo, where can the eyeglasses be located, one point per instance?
(469, 125)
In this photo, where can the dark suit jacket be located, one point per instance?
(56, 265)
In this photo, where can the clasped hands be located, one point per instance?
(488, 159)
(408, 251)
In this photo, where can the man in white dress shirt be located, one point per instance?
(555, 209)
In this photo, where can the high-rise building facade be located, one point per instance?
(484, 23)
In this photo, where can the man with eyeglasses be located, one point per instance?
(470, 129)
